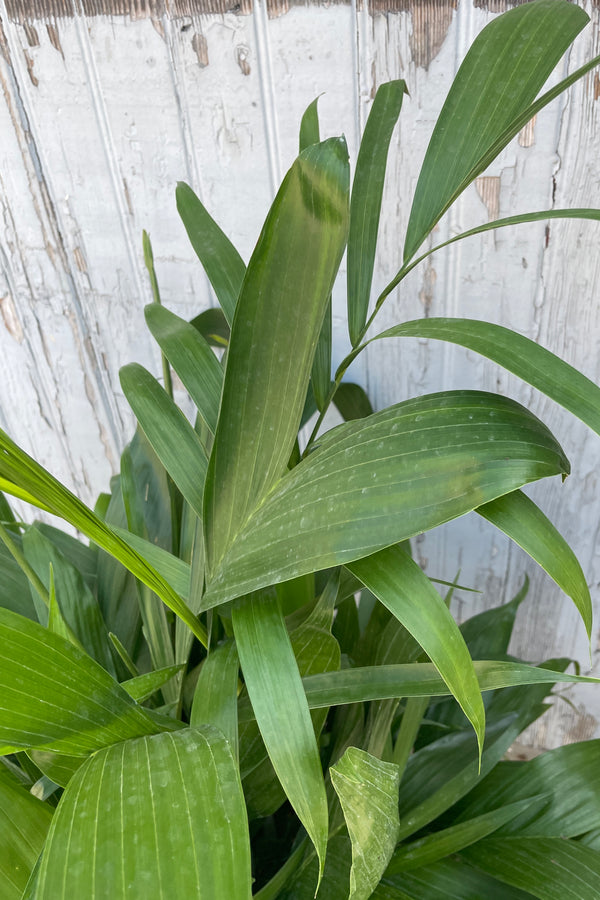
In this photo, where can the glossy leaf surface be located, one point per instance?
(365, 205)
(526, 524)
(54, 696)
(279, 703)
(549, 868)
(277, 323)
(161, 817)
(172, 437)
(380, 480)
(192, 359)
(400, 584)
(221, 261)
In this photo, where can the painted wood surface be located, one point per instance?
(106, 104)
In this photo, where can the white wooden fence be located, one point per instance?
(106, 104)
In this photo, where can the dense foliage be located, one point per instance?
(238, 682)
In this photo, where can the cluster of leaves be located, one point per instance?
(243, 685)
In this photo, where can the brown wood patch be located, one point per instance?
(433, 15)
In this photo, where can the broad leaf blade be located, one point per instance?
(365, 205)
(56, 697)
(24, 823)
(399, 583)
(277, 323)
(520, 355)
(162, 816)
(192, 359)
(279, 703)
(449, 879)
(380, 480)
(221, 261)
(526, 524)
(503, 71)
(172, 437)
(569, 776)
(367, 789)
(549, 868)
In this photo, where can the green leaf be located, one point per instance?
(440, 844)
(56, 697)
(279, 703)
(352, 401)
(549, 868)
(221, 261)
(75, 601)
(520, 355)
(192, 359)
(156, 627)
(321, 369)
(213, 327)
(60, 767)
(309, 126)
(162, 816)
(172, 437)
(569, 775)
(399, 583)
(498, 80)
(416, 680)
(215, 698)
(143, 686)
(367, 789)
(380, 480)
(449, 879)
(24, 823)
(47, 493)
(526, 524)
(174, 571)
(365, 205)
(277, 323)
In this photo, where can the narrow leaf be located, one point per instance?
(221, 261)
(440, 844)
(367, 789)
(172, 437)
(192, 359)
(143, 686)
(520, 355)
(519, 517)
(380, 480)
(399, 583)
(352, 401)
(277, 323)
(416, 680)
(365, 205)
(503, 71)
(162, 816)
(279, 703)
(215, 698)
